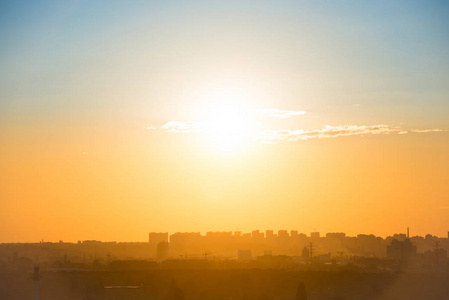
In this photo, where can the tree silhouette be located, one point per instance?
(301, 293)
(179, 295)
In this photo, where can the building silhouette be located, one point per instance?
(157, 237)
(401, 250)
(244, 255)
(305, 255)
(256, 234)
(315, 235)
(162, 250)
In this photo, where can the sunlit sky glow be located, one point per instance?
(123, 117)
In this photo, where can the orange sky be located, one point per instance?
(127, 185)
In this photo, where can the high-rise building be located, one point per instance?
(256, 234)
(162, 250)
(315, 235)
(336, 235)
(157, 237)
(305, 254)
(283, 234)
(244, 255)
(185, 238)
(401, 250)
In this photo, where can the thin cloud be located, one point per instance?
(335, 131)
(274, 136)
(181, 127)
(427, 130)
(282, 114)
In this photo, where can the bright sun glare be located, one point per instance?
(229, 125)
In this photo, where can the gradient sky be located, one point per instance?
(122, 117)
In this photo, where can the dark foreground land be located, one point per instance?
(225, 284)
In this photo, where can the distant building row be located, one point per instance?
(157, 237)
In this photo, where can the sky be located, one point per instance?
(118, 118)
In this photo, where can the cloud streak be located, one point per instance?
(427, 130)
(231, 128)
(181, 127)
(282, 114)
(273, 136)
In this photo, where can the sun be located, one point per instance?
(228, 123)
(229, 129)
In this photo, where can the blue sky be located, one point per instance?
(389, 56)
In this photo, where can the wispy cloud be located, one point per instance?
(275, 136)
(231, 128)
(181, 127)
(426, 130)
(335, 131)
(282, 114)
